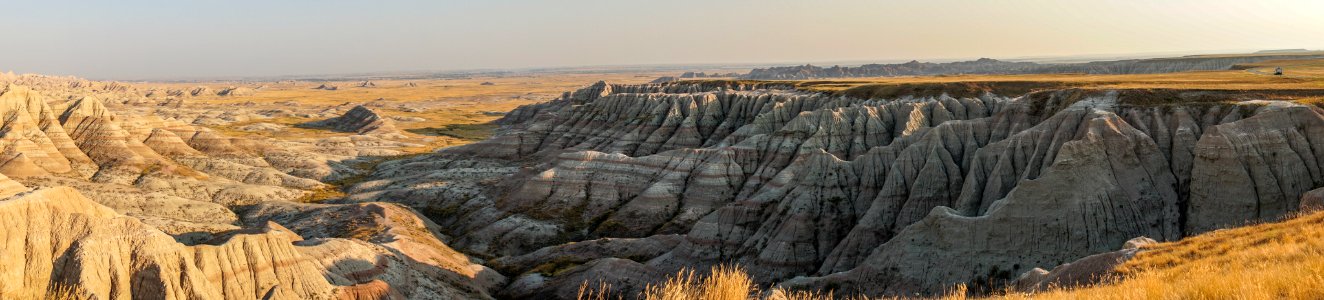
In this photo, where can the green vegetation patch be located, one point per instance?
(467, 132)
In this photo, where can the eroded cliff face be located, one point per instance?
(881, 196)
(127, 204)
(57, 237)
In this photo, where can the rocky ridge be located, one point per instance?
(880, 196)
(124, 197)
(58, 237)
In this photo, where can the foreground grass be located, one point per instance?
(1283, 260)
(722, 283)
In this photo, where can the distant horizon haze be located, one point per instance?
(162, 40)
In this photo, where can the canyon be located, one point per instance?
(875, 196)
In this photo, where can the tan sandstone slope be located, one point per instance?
(56, 236)
(132, 205)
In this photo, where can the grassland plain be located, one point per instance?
(451, 111)
(431, 113)
(1303, 81)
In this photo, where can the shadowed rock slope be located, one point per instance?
(361, 120)
(880, 196)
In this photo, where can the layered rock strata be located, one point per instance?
(56, 237)
(133, 205)
(880, 196)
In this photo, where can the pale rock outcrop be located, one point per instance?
(55, 236)
(167, 143)
(98, 134)
(31, 129)
(107, 255)
(9, 187)
(124, 147)
(21, 166)
(395, 227)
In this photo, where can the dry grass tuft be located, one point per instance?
(602, 291)
(727, 283)
(722, 283)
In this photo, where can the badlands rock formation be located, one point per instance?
(57, 237)
(130, 205)
(993, 66)
(878, 196)
(117, 196)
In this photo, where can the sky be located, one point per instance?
(137, 39)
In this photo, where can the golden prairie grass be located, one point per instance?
(722, 283)
(1283, 260)
(1305, 78)
(456, 113)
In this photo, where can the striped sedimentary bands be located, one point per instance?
(126, 204)
(881, 196)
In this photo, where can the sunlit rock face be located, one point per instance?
(103, 198)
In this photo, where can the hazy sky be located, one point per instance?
(166, 39)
